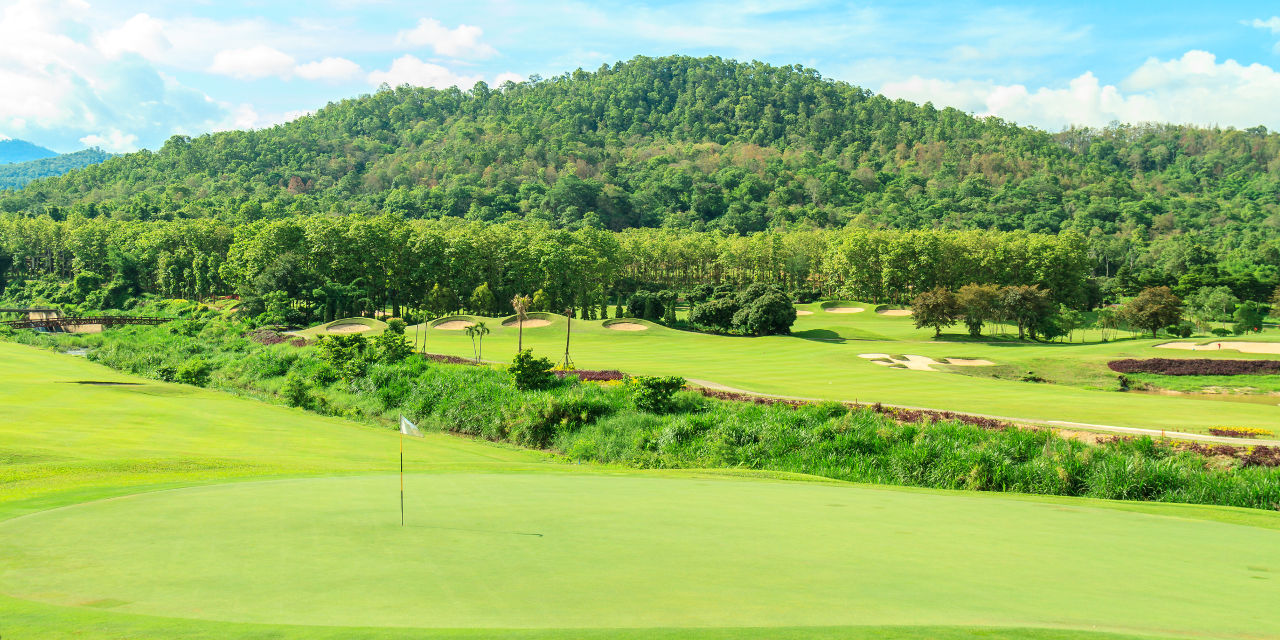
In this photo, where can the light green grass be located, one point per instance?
(162, 511)
(820, 360)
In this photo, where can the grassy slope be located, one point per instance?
(820, 360)
(68, 443)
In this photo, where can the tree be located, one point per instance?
(978, 304)
(935, 308)
(1026, 306)
(771, 313)
(540, 302)
(392, 347)
(1248, 317)
(1211, 304)
(440, 300)
(1108, 320)
(477, 332)
(716, 314)
(521, 304)
(396, 325)
(1152, 310)
(1275, 302)
(482, 299)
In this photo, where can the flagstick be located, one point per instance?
(402, 478)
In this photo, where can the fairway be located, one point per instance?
(529, 551)
(820, 359)
(150, 510)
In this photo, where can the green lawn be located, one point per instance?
(160, 511)
(820, 360)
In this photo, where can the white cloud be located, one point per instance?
(258, 61)
(409, 69)
(115, 140)
(140, 34)
(333, 69)
(1272, 23)
(1194, 89)
(462, 41)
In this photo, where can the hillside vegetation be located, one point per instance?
(709, 143)
(18, 174)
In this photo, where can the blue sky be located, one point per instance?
(128, 74)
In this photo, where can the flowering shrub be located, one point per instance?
(1240, 432)
(1196, 367)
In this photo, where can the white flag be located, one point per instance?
(409, 428)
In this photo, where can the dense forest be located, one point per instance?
(18, 174)
(720, 147)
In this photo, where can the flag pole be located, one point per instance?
(402, 477)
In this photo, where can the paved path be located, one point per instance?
(1060, 424)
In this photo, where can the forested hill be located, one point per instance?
(705, 143)
(18, 174)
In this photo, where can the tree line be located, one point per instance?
(323, 267)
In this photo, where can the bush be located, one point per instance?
(195, 372)
(296, 391)
(531, 373)
(655, 394)
(715, 314)
(769, 314)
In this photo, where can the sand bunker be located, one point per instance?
(894, 312)
(453, 325)
(529, 323)
(804, 313)
(920, 363)
(1243, 347)
(626, 326)
(844, 309)
(348, 327)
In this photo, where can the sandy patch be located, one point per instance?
(626, 326)
(529, 323)
(894, 312)
(919, 363)
(1243, 347)
(349, 327)
(969, 362)
(844, 309)
(804, 313)
(453, 325)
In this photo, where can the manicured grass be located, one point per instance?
(820, 360)
(233, 518)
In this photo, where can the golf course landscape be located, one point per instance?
(820, 359)
(146, 509)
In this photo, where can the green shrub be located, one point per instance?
(531, 373)
(195, 372)
(296, 391)
(654, 394)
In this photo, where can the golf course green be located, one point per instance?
(821, 359)
(132, 508)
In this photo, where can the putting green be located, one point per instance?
(525, 550)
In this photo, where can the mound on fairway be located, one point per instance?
(526, 550)
(1243, 347)
(348, 327)
(626, 326)
(531, 320)
(453, 323)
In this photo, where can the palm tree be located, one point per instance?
(477, 331)
(521, 305)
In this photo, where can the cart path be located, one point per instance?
(1060, 424)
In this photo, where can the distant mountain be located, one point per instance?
(22, 151)
(18, 174)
